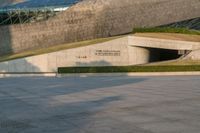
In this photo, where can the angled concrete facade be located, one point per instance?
(128, 50)
(91, 19)
(163, 43)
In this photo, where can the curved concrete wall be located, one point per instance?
(129, 50)
(112, 53)
(91, 19)
(163, 43)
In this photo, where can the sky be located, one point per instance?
(41, 3)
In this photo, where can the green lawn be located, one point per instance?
(166, 30)
(100, 40)
(55, 48)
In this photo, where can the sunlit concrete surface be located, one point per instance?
(100, 105)
(128, 50)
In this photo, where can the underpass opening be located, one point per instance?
(158, 54)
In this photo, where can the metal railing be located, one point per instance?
(14, 15)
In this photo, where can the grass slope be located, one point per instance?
(171, 36)
(55, 48)
(166, 30)
(163, 33)
(179, 62)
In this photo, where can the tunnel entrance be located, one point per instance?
(157, 54)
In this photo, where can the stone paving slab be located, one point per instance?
(120, 104)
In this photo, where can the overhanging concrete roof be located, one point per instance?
(162, 43)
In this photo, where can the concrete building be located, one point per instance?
(91, 19)
(127, 50)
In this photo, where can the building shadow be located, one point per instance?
(6, 49)
(5, 41)
(67, 104)
(75, 117)
(18, 66)
(79, 115)
(42, 108)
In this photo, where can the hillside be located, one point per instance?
(171, 36)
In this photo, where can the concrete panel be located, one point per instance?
(4, 67)
(109, 53)
(17, 65)
(138, 55)
(39, 63)
(52, 62)
(194, 55)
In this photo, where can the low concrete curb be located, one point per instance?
(7, 75)
(132, 74)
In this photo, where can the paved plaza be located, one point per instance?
(100, 105)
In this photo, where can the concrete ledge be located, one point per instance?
(163, 43)
(7, 75)
(132, 74)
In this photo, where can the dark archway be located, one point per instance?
(157, 54)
